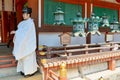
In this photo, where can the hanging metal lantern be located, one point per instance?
(93, 26)
(105, 21)
(59, 17)
(79, 25)
(115, 26)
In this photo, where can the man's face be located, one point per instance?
(26, 16)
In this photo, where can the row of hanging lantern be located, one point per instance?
(59, 16)
(79, 25)
(93, 23)
(115, 26)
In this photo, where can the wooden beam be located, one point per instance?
(74, 1)
(108, 4)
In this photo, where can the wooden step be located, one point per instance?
(7, 61)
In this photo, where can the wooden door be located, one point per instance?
(4, 29)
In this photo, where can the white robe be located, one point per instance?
(27, 65)
(24, 47)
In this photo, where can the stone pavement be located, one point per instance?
(11, 74)
(107, 75)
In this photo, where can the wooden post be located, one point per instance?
(111, 64)
(86, 52)
(45, 74)
(63, 71)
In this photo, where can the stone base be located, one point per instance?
(107, 75)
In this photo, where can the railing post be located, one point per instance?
(111, 64)
(86, 52)
(63, 71)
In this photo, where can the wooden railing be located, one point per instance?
(81, 55)
(79, 49)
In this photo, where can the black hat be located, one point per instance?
(27, 10)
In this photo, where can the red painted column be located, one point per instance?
(111, 65)
(88, 38)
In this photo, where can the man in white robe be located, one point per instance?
(25, 44)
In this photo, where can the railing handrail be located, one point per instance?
(76, 45)
(80, 49)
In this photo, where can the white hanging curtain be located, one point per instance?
(9, 5)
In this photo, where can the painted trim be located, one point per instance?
(39, 13)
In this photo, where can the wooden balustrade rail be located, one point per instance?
(79, 49)
(81, 60)
(77, 45)
(109, 55)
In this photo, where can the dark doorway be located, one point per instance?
(8, 23)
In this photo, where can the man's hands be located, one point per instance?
(12, 32)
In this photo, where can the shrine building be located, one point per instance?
(76, 39)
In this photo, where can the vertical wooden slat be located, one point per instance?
(88, 38)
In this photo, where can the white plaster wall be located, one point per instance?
(98, 38)
(116, 37)
(53, 39)
(117, 63)
(78, 40)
